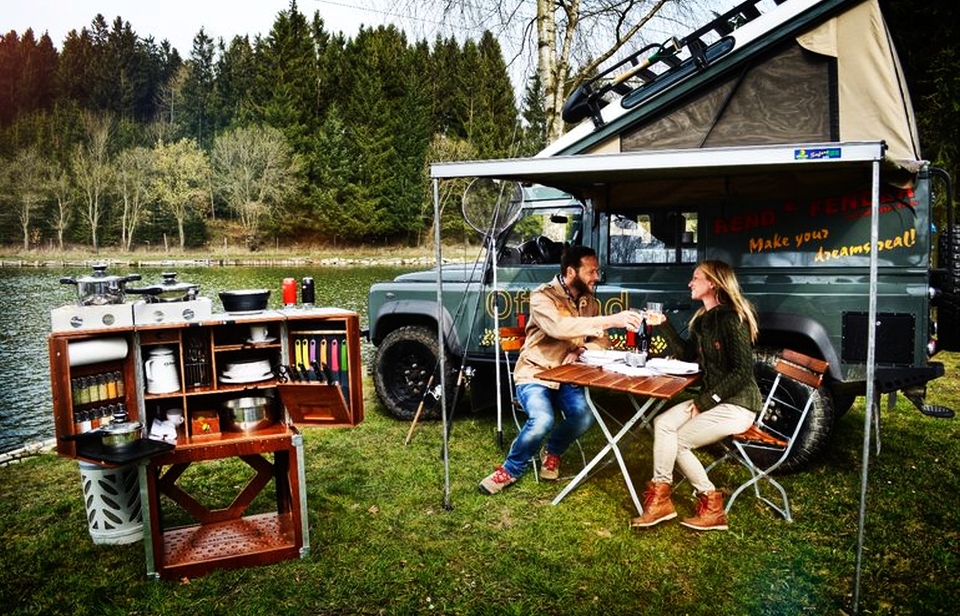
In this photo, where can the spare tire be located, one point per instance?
(815, 435)
(948, 304)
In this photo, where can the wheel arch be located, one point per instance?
(800, 333)
(394, 315)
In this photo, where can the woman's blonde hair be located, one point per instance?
(728, 292)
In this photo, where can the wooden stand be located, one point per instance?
(226, 538)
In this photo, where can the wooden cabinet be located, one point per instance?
(305, 363)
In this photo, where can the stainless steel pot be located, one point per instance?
(120, 435)
(100, 289)
(169, 290)
(246, 414)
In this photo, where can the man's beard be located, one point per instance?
(580, 287)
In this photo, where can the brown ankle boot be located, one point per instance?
(657, 506)
(710, 514)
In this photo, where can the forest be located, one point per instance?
(300, 137)
(297, 137)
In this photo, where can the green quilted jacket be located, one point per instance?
(720, 343)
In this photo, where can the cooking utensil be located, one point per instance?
(114, 436)
(169, 290)
(246, 414)
(247, 301)
(100, 289)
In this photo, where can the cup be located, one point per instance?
(654, 307)
(258, 333)
(175, 416)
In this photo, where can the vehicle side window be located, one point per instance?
(654, 237)
(540, 236)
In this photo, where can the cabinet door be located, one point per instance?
(323, 368)
(92, 378)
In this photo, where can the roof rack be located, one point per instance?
(659, 63)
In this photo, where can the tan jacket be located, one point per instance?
(556, 327)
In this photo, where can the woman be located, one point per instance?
(722, 334)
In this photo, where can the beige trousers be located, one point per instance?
(676, 434)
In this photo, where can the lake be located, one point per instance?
(27, 295)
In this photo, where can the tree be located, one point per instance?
(198, 111)
(92, 171)
(182, 172)
(25, 178)
(62, 190)
(572, 38)
(134, 175)
(254, 170)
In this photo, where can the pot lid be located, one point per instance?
(121, 427)
(100, 276)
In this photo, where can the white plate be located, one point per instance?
(261, 341)
(673, 366)
(601, 358)
(225, 378)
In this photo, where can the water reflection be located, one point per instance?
(28, 295)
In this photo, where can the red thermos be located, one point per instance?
(289, 292)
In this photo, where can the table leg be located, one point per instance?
(611, 444)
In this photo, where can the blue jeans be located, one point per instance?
(541, 405)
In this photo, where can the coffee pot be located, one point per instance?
(161, 371)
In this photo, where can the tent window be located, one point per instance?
(787, 97)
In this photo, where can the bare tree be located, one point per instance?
(179, 184)
(254, 169)
(63, 192)
(93, 172)
(564, 41)
(134, 176)
(26, 175)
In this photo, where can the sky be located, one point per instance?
(179, 20)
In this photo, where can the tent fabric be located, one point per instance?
(874, 100)
(839, 81)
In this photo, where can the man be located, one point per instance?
(564, 320)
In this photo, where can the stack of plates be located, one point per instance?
(672, 366)
(246, 371)
(601, 358)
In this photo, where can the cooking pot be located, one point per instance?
(246, 414)
(99, 289)
(245, 300)
(169, 290)
(118, 435)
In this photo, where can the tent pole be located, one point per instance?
(871, 395)
(440, 343)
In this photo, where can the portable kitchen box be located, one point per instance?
(304, 372)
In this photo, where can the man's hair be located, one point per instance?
(573, 256)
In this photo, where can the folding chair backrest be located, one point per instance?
(512, 338)
(798, 367)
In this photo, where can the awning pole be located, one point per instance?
(440, 344)
(871, 377)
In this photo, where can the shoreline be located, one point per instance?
(361, 258)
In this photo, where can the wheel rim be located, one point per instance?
(410, 367)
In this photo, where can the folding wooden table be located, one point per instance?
(647, 394)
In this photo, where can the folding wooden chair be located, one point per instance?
(511, 340)
(763, 447)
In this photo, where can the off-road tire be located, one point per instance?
(816, 432)
(403, 365)
(948, 304)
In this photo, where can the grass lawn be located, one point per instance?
(382, 542)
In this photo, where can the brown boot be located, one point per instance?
(710, 514)
(657, 506)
